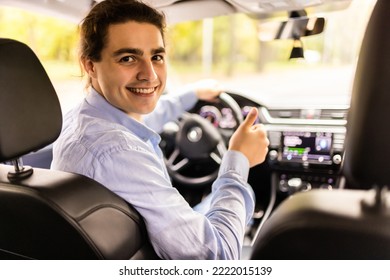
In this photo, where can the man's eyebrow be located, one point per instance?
(158, 50)
(128, 50)
(137, 51)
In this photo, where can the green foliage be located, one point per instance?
(50, 38)
(185, 41)
(235, 44)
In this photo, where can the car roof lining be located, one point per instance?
(182, 10)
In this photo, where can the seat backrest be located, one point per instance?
(367, 150)
(46, 214)
(347, 224)
(322, 224)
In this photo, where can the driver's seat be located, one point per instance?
(46, 214)
(347, 224)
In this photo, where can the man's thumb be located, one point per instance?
(251, 117)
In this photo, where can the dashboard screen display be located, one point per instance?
(311, 147)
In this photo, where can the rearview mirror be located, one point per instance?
(293, 28)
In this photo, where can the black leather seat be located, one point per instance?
(47, 214)
(348, 223)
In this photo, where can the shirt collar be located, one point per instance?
(109, 112)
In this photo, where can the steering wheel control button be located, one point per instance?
(194, 134)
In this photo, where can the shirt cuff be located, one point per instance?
(235, 161)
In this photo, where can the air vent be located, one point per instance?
(334, 114)
(285, 114)
(323, 114)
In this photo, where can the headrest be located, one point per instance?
(30, 113)
(367, 153)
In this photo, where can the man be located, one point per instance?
(107, 138)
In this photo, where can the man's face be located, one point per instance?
(131, 74)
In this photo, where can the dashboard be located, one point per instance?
(221, 117)
(306, 145)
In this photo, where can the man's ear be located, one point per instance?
(89, 67)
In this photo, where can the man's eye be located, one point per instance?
(126, 59)
(158, 58)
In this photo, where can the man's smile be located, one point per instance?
(142, 91)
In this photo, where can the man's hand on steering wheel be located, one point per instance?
(196, 147)
(207, 90)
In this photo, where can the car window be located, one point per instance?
(235, 54)
(227, 48)
(54, 40)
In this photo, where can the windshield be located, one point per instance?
(226, 48)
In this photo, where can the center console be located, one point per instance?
(304, 157)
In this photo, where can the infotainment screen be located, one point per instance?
(311, 147)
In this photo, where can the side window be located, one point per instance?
(54, 40)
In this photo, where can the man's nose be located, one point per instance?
(147, 72)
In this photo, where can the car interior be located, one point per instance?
(48, 214)
(326, 176)
(348, 223)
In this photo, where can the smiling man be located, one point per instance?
(131, 73)
(108, 137)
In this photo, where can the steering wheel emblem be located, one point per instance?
(194, 134)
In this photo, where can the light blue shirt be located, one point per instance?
(103, 143)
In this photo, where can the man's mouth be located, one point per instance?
(142, 91)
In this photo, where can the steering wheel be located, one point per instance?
(193, 148)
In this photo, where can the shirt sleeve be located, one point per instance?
(169, 108)
(176, 231)
(133, 167)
